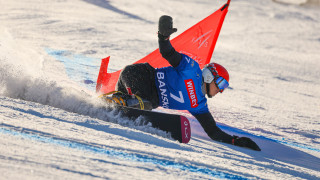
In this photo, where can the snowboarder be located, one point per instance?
(182, 86)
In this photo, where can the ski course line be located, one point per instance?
(123, 155)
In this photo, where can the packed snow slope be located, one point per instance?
(53, 127)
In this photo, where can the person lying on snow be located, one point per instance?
(182, 86)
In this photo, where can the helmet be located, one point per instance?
(212, 70)
(218, 73)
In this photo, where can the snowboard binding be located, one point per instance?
(121, 99)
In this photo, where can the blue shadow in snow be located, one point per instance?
(110, 152)
(283, 141)
(273, 151)
(106, 4)
(79, 68)
(39, 164)
(280, 150)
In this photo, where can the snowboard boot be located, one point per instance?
(122, 99)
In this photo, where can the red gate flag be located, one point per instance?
(197, 42)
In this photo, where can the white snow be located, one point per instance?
(51, 124)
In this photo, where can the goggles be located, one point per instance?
(221, 83)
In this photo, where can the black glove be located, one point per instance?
(245, 142)
(165, 27)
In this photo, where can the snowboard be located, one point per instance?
(178, 126)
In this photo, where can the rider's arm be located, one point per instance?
(214, 132)
(168, 52)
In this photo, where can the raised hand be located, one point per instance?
(165, 26)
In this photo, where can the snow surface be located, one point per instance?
(51, 124)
